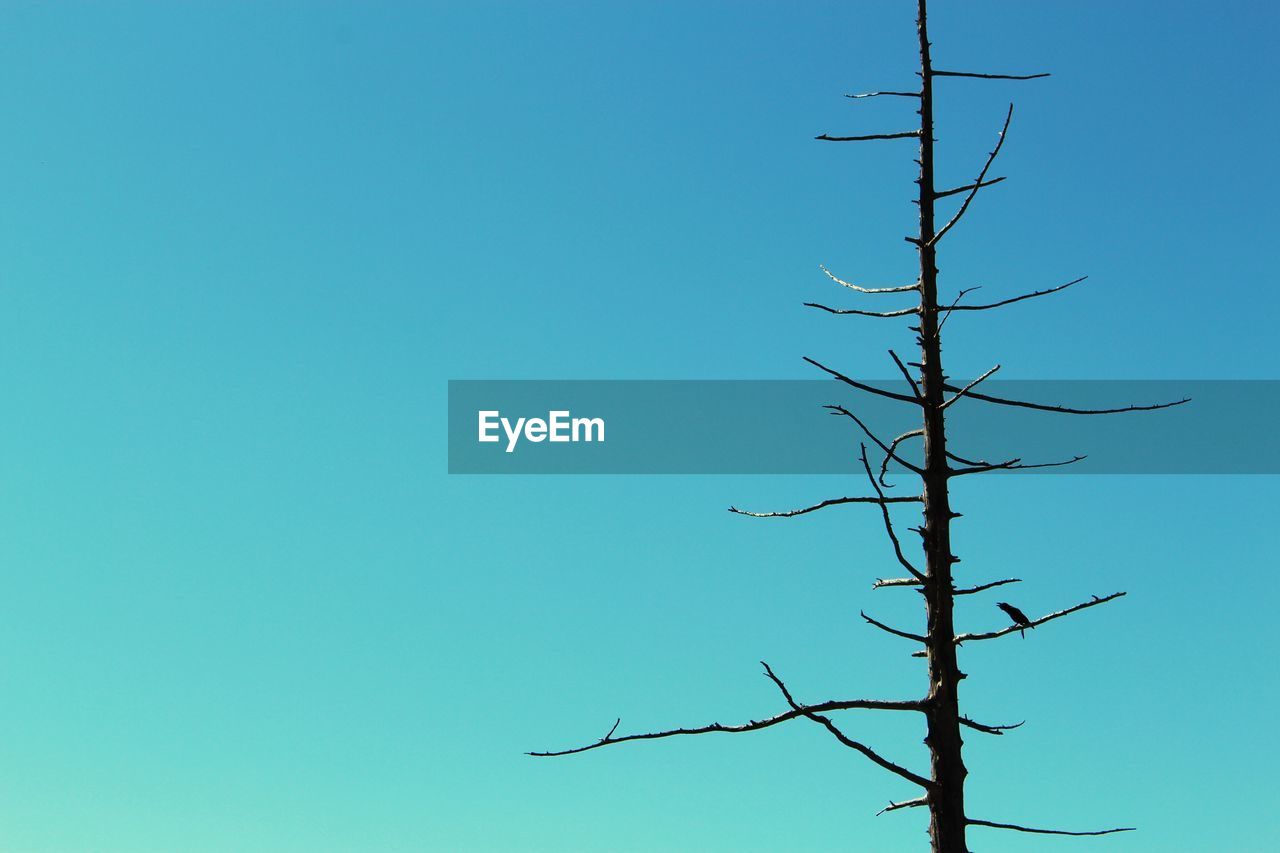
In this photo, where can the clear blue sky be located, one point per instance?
(243, 247)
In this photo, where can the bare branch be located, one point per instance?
(964, 638)
(895, 582)
(900, 289)
(1013, 465)
(966, 188)
(975, 822)
(989, 76)
(885, 314)
(968, 388)
(824, 504)
(977, 185)
(883, 627)
(906, 134)
(751, 726)
(840, 736)
(991, 730)
(889, 454)
(863, 387)
(946, 315)
(1065, 410)
(905, 804)
(966, 591)
(906, 374)
(888, 523)
(984, 586)
(882, 94)
(1032, 295)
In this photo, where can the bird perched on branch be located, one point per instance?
(1019, 618)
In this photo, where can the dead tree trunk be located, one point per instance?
(942, 705)
(942, 792)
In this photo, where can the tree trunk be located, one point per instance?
(946, 799)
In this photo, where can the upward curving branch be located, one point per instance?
(977, 185)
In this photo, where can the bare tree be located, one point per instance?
(928, 389)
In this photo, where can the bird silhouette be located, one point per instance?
(1019, 618)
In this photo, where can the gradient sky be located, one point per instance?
(243, 247)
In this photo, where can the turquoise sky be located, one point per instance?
(243, 247)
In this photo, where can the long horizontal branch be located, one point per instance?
(899, 289)
(902, 312)
(751, 726)
(907, 134)
(964, 638)
(882, 582)
(1015, 827)
(1064, 410)
(871, 389)
(1012, 465)
(1014, 299)
(824, 504)
(988, 76)
(883, 94)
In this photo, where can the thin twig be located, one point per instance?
(985, 586)
(966, 188)
(967, 388)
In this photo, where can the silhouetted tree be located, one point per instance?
(927, 389)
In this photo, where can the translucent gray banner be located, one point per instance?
(781, 427)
